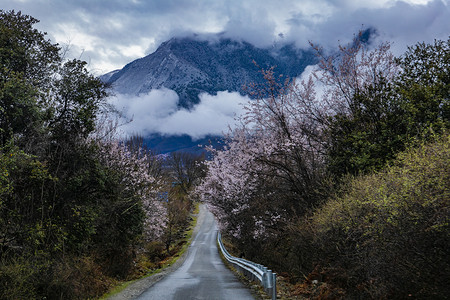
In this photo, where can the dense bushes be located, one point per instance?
(387, 236)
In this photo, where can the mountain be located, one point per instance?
(190, 66)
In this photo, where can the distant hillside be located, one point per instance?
(165, 144)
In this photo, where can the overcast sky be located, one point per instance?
(111, 33)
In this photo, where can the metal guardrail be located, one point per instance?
(251, 270)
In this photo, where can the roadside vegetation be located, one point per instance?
(387, 234)
(80, 210)
(340, 182)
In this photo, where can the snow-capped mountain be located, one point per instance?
(190, 66)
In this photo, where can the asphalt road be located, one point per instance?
(203, 274)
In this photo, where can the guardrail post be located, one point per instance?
(269, 279)
(274, 286)
(265, 282)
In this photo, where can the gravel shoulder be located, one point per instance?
(139, 286)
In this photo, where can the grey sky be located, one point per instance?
(110, 33)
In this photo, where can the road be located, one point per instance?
(203, 274)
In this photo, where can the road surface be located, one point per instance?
(203, 274)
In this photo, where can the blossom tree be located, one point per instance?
(275, 165)
(271, 165)
(134, 167)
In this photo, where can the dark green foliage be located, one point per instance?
(77, 101)
(24, 50)
(25, 205)
(424, 87)
(65, 214)
(385, 117)
(370, 135)
(17, 100)
(17, 279)
(26, 62)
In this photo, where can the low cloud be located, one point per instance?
(158, 112)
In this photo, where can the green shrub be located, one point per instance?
(390, 231)
(17, 279)
(155, 251)
(76, 278)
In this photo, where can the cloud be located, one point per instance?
(157, 112)
(110, 33)
(402, 23)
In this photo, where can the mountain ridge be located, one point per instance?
(190, 66)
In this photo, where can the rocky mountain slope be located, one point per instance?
(190, 66)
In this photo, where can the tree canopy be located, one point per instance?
(71, 197)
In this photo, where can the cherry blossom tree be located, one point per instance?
(271, 165)
(350, 72)
(275, 164)
(135, 166)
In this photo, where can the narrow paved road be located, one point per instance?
(203, 274)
